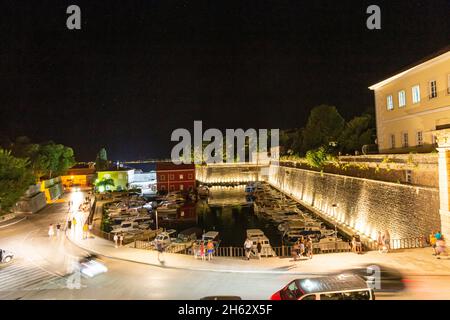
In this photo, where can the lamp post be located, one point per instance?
(156, 219)
(335, 205)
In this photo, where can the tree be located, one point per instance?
(45, 160)
(15, 178)
(101, 162)
(324, 126)
(318, 157)
(103, 184)
(357, 132)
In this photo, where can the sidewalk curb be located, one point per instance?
(193, 269)
(12, 223)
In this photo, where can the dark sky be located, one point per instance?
(140, 69)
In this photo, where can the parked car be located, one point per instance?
(336, 287)
(6, 256)
(91, 266)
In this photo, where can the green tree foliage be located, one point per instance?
(357, 132)
(15, 178)
(104, 183)
(45, 160)
(324, 126)
(318, 157)
(101, 162)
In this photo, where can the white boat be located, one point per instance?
(165, 238)
(257, 235)
(125, 227)
(332, 243)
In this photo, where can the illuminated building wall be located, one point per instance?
(365, 205)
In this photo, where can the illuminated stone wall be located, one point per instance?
(225, 173)
(365, 205)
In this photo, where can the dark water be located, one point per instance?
(227, 212)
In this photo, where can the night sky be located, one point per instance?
(140, 69)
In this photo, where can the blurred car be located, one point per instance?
(335, 287)
(6, 256)
(91, 266)
(221, 298)
(75, 188)
(380, 278)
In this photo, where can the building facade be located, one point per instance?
(412, 104)
(81, 175)
(172, 177)
(121, 177)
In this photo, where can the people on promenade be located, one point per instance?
(160, 248)
(433, 242)
(202, 250)
(74, 223)
(309, 248)
(210, 249)
(295, 251)
(121, 240)
(387, 240)
(357, 244)
(69, 224)
(58, 229)
(85, 230)
(90, 229)
(248, 244)
(441, 247)
(380, 242)
(195, 250)
(301, 243)
(51, 231)
(116, 240)
(259, 249)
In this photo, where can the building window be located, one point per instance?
(171, 177)
(433, 89)
(392, 141)
(190, 176)
(416, 94)
(390, 102)
(419, 138)
(181, 177)
(163, 187)
(181, 187)
(162, 177)
(402, 98)
(405, 138)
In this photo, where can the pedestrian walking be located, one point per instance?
(358, 244)
(259, 249)
(309, 248)
(160, 248)
(195, 250)
(85, 230)
(441, 248)
(387, 240)
(69, 224)
(301, 246)
(116, 239)
(121, 240)
(90, 229)
(74, 223)
(248, 244)
(202, 250)
(210, 249)
(51, 231)
(295, 251)
(433, 242)
(58, 229)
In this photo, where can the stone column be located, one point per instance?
(443, 140)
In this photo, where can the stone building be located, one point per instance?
(412, 104)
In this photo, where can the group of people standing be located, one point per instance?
(248, 248)
(302, 248)
(437, 242)
(202, 250)
(118, 240)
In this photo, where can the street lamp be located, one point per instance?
(335, 205)
(156, 218)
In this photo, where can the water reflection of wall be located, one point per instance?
(366, 205)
